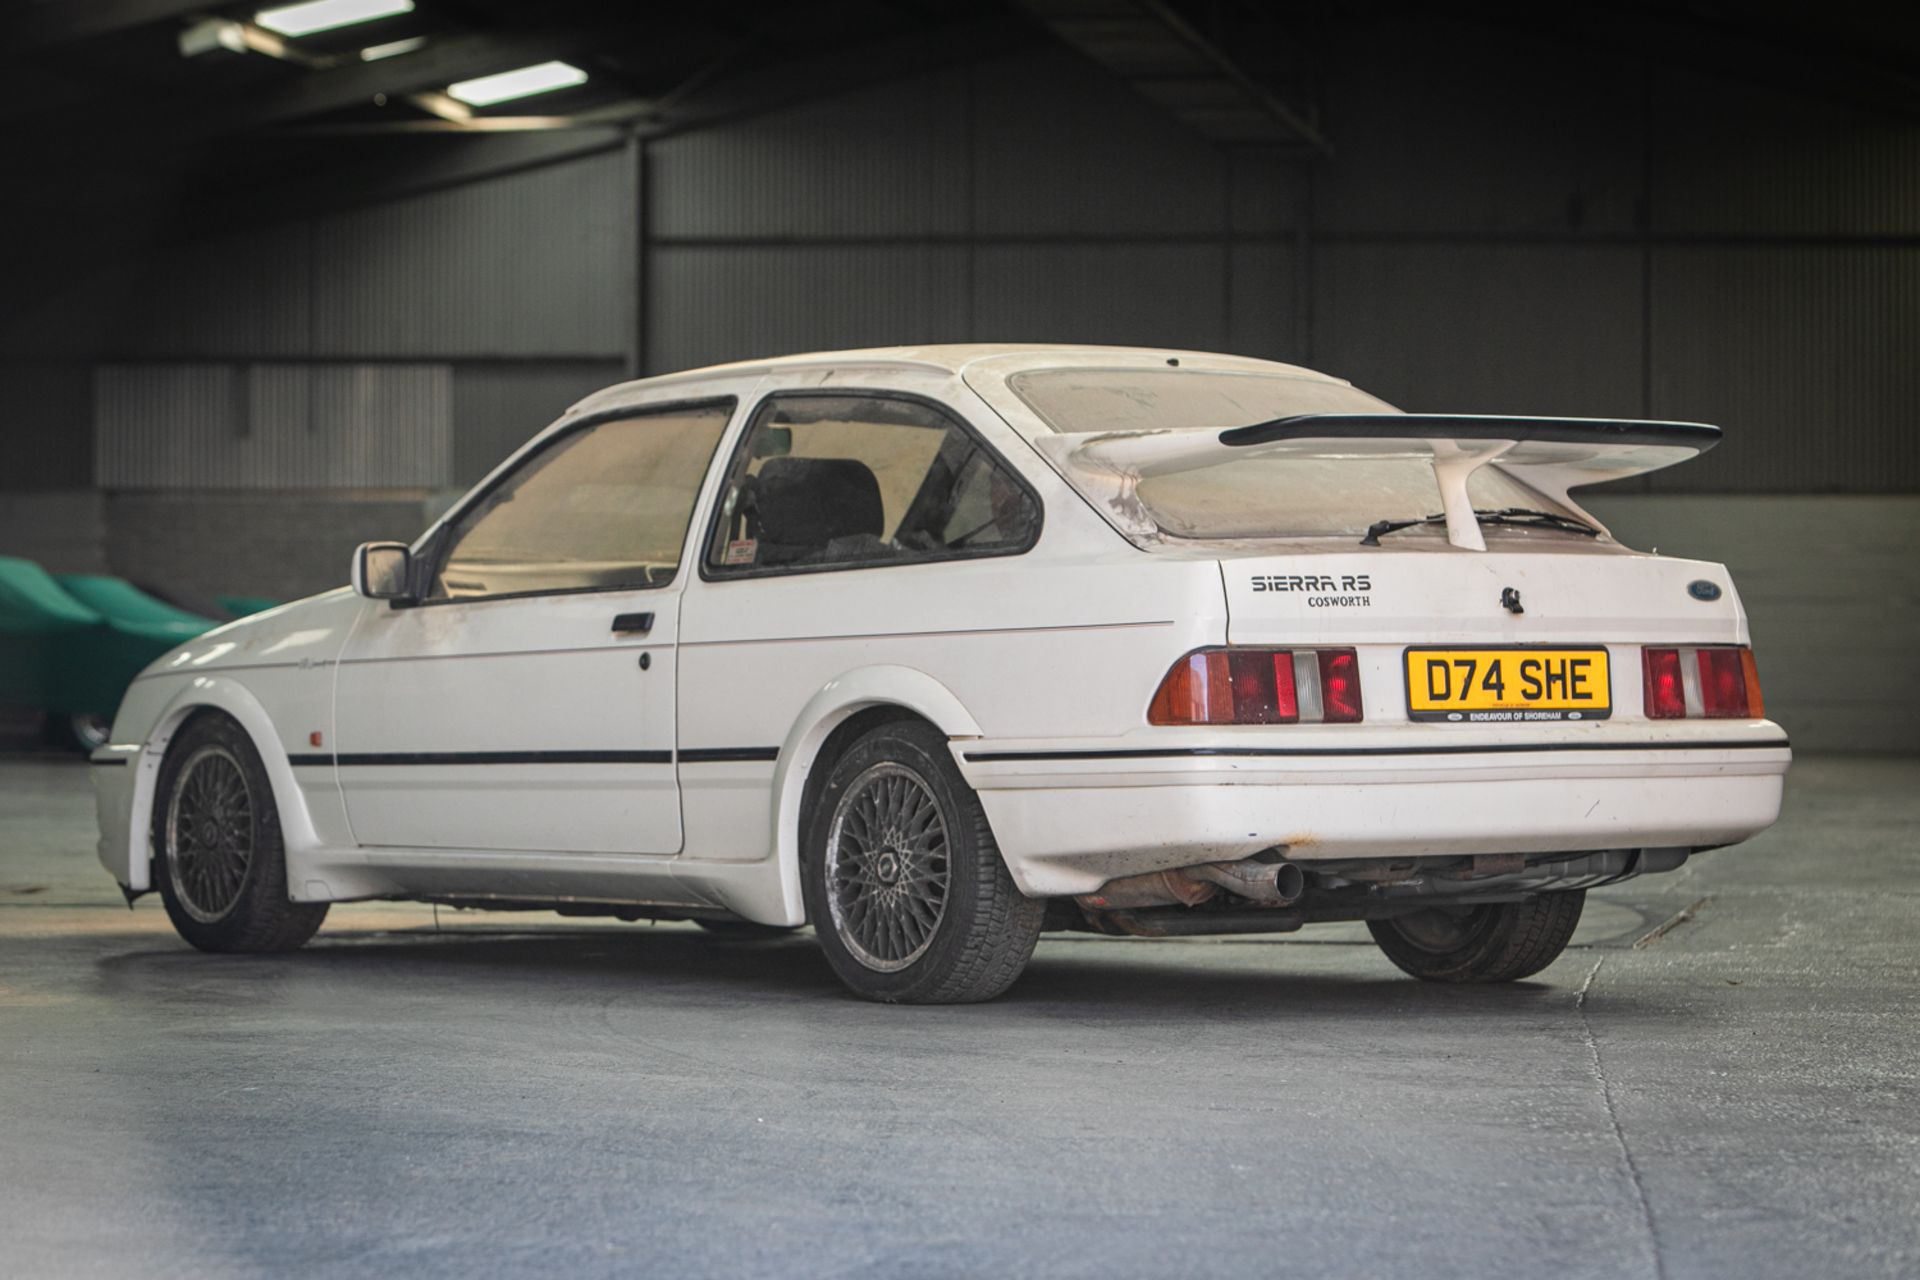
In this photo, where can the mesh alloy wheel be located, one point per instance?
(908, 895)
(888, 868)
(209, 833)
(219, 856)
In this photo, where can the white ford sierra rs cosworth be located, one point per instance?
(938, 648)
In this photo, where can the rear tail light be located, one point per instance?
(1711, 683)
(1340, 685)
(1259, 686)
(1665, 699)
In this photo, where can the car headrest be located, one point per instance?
(808, 502)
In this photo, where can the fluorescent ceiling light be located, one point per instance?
(527, 81)
(325, 15)
(392, 48)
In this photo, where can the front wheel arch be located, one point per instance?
(237, 824)
(220, 695)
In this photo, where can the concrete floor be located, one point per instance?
(1738, 1097)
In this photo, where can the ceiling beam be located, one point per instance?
(1150, 47)
(45, 24)
(155, 130)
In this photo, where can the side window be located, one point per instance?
(600, 508)
(855, 481)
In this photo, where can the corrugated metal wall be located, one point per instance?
(499, 406)
(433, 335)
(1634, 241)
(1026, 198)
(46, 412)
(524, 265)
(273, 426)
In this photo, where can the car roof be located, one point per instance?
(948, 358)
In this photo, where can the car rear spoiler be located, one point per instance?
(1552, 455)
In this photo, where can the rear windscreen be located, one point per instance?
(1090, 400)
(1303, 497)
(1254, 496)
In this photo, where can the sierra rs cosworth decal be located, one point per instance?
(1324, 591)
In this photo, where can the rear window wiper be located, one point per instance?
(1526, 517)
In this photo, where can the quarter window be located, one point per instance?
(598, 509)
(855, 481)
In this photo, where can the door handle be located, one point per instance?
(631, 623)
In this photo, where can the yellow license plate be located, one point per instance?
(1482, 686)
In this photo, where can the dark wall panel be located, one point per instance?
(709, 305)
(1552, 329)
(272, 426)
(1061, 148)
(1734, 159)
(526, 264)
(1263, 304)
(1524, 137)
(1128, 295)
(499, 407)
(1806, 355)
(46, 425)
(886, 161)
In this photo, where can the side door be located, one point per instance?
(853, 528)
(525, 701)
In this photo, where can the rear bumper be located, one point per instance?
(1070, 817)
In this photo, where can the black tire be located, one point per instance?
(1499, 943)
(905, 886)
(219, 859)
(747, 930)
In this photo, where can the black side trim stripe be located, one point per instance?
(1164, 753)
(698, 756)
(117, 760)
(486, 757)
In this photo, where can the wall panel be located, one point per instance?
(707, 305)
(1550, 329)
(1805, 355)
(1061, 148)
(1528, 137)
(248, 293)
(1829, 583)
(1263, 314)
(499, 407)
(526, 264)
(1733, 159)
(46, 416)
(886, 161)
(1128, 295)
(267, 426)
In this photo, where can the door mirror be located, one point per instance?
(382, 570)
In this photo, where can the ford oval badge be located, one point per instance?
(1701, 589)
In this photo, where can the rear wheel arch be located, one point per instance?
(910, 898)
(845, 709)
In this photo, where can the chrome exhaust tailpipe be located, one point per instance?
(1280, 883)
